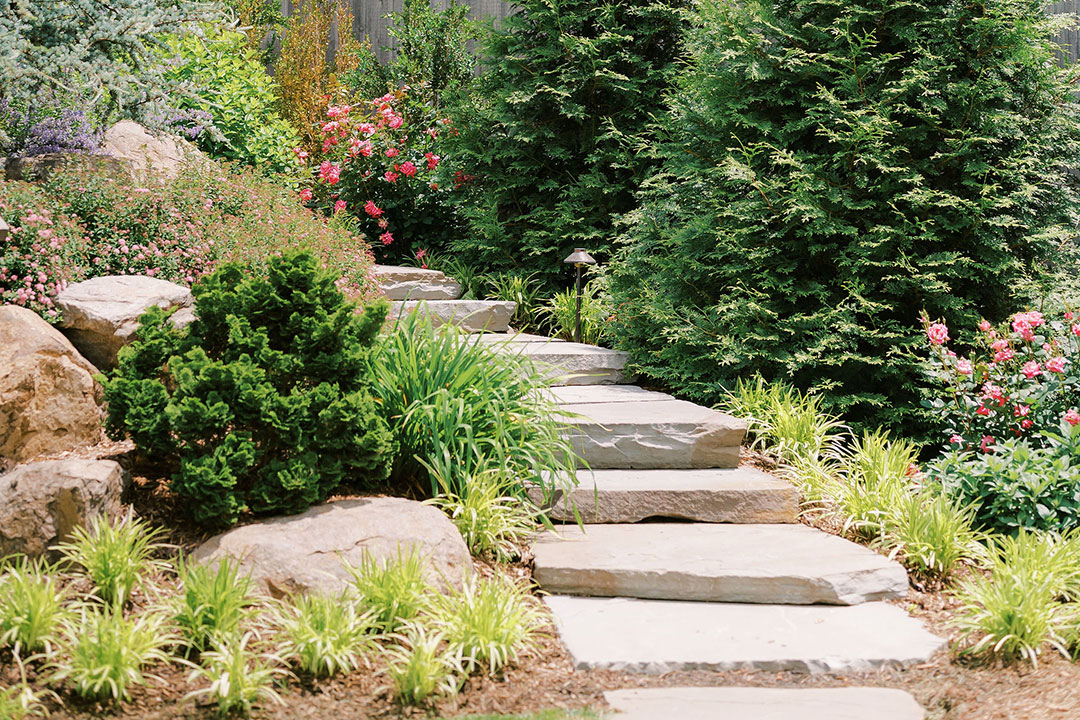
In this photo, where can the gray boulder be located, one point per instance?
(101, 315)
(147, 153)
(49, 401)
(42, 502)
(300, 553)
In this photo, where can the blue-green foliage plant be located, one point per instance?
(264, 401)
(830, 168)
(231, 84)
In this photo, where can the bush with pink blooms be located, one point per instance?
(84, 223)
(1019, 381)
(382, 163)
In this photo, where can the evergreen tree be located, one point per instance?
(550, 142)
(832, 167)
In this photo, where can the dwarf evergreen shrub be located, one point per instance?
(829, 169)
(549, 142)
(263, 401)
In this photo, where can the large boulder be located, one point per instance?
(305, 552)
(101, 315)
(42, 502)
(145, 152)
(49, 401)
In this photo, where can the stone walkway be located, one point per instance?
(737, 584)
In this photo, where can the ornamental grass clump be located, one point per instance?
(420, 667)
(263, 404)
(325, 634)
(494, 521)
(239, 677)
(931, 535)
(214, 602)
(395, 590)
(32, 606)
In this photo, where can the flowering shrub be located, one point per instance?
(84, 224)
(50, 121)
(45, 250)
(1021, 380)
(386, 170)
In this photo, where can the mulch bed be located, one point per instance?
(950, 688)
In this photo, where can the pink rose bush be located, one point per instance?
(382, 159)
(1021, 381)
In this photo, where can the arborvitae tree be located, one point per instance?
(107, 50)
(831, 168)
(550, 141)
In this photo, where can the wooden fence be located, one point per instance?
(369, 20)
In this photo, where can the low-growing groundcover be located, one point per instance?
(830, 169)
(264, 402)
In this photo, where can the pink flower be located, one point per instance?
(391, 176)
(305, 195)
(1056, 364)
(372, 209)
(1072, 417)
(421, 253)
(408, 169)
(963, 366)
(384, 223)
(395, 122)
(985, 326)
(1031, 369)
(432, 132)
(1068, 315)
(956, 440)
(1026, 424)
(938, 333)
(1004, 355)
(982, 410)
(1076, 329)
(392, 152)
(987, 443)
(999, 345)
(301, 155)
(368, 129)
(386, 238)
(339, 206)
(1021, 411)
(432, 160)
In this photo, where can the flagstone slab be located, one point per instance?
(588, 395)
(746, 703)
(661, 636)
(738, 495)
(469, 315)
(771, 564)
(650, 433)
(409, 283)
(571, 363)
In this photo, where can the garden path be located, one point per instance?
(689, 561)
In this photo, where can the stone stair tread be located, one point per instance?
(660, 636)
(607, 394)
(736, 495)
(514, 337)
(649, 433)
(410, 283)
(570, 363)
(752, 703)
(773, 564)
(470, 315)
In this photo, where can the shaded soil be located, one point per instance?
(948, 687)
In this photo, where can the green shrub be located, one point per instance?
(103, 653)
(239, 678)
(1013, 485)
(214, 604)
(828, 170)
(231, 84)
(115, 555)
(459, 409)
(32, 606)
(325, 634)
(552, 139)
(264, 400)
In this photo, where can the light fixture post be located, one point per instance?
(579, 259)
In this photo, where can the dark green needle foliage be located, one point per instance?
(830, 168)
(264, 403)
(552, 137)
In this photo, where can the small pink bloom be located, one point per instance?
(1056, 364)
(963, 366)
(938, 333)
(391, 176)
(985, 326)
(305, 195)
(999, 344)
(987, 443)
(372, 209)
(982, 410)
(1072, 417)
(395, 122)
(1031, 369)
(386, 238)
(392, 152)
(408, 169)
(1068, 315)
(1004, 355)
(1021, 411)
(956, 440)
(1026, 424)
(1076, 329)
(339, 206)
(384, 223)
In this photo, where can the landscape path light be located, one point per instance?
(579, 259)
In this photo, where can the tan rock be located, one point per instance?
(101, 315)
(300, 553)
(162, 154)
(49, 401)
(42, 502)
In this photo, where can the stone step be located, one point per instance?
(567, 363)
(773, 564)
(614, 426)
(660, 636)
(748, 703)
(409, 283)
(739, 495)
(472, 316)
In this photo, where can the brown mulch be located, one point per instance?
(950, 688)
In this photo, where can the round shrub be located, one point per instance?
(263, 402)
(829, 170)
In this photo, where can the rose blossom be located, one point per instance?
(938, 333)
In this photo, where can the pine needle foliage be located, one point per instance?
(831, 167)
(264, 401)
(553, 131)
